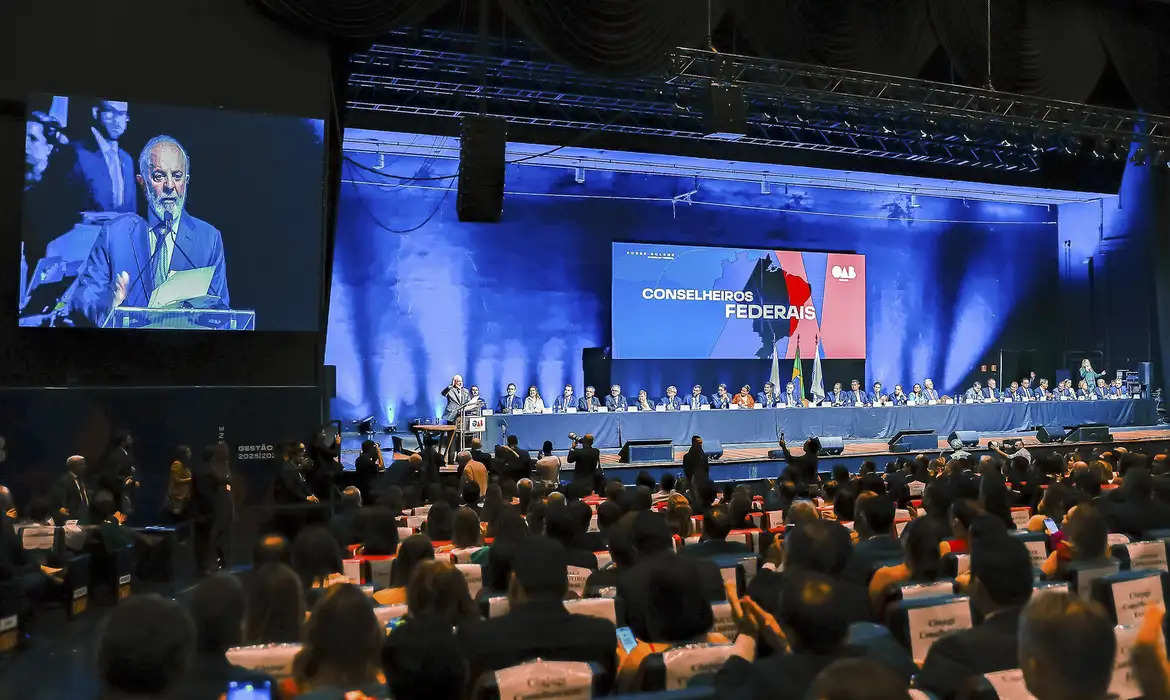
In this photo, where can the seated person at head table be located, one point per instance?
(992, 392)
(1042, 392)
(975, 393)
(589, 402)
(1102, 389)
(878, 396)
(697, 400)
(721, 399)
(1027, 393)
(791, 397)
(744, 398)
(1012, 392)
(533, 403)
(929, 390)
(477, 402)
(856, 395)
(510, 402)
(1069, 390)
(643, 402)
(1084, 392)
(118, 270)
(916, 395)
(615, 401)
(1116, 388)
(769, 398)
(898, 398)
(565, 401)
(836, 397)
(671, 400)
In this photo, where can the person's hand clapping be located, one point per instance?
(121, 283)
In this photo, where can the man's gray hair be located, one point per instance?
(463, 456)
(144, 156)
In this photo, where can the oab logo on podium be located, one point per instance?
(844, 272)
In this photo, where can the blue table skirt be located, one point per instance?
(765, 425)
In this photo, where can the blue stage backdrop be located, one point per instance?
(418, 296)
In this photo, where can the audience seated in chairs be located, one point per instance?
(343, 524)
(276, 606)
(679, 614)
(439, 590)
(559, 525)
(963, 513)
(217, 606)
(316, 557)
(440, 523)
(920, 542)
(466, 532)
(858, 679)
(1001, 583)
(716, 526)
(537, 624)
(379, 531)
(877, 544)
(414, 550)
(1067, 647)
(508, 526)
(342, 647)
(144, 648)
(423, 660)
(1086, 541)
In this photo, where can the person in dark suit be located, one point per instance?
(213, 508)
(216, 605)
(291, 487)
(856, 394)
(325, 452)
(1001, 583)
(70, 494)
(816, 625)
(589, 403)
(721, 399)
(134, 256)
(517, 463)
(697, 399)
(587, 462)
(509, 402)
(615, 401)
(992, 392)
(696, 466)
(367, 467)
(537, 623)
(877, 545)
(836, 397)
(94, 173)
(118, 472)
(716, 526)
(343, 522)
(1134, 511)
(804, 469)
(671, 400)
(477, 453)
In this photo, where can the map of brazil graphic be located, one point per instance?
(681, 302)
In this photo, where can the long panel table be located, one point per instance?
(765, 425)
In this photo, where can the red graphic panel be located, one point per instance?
(843, 312)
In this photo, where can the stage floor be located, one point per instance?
(758, 452)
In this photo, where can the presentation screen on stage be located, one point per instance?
(685, 302)
(143, 216)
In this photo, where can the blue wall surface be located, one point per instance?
(418, 296)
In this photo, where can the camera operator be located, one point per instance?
(587, 462)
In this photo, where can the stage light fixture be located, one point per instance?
(1139, 156)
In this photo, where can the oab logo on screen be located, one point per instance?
(844, 272)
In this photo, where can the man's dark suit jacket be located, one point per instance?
(1134, 517)
(290, 484)
(67, 495)
(208, 678)
(515, 466)
(85, 178)
(112, 472)
(866, 556)
(712, 548)
(696, 467)
(586, 461)
(984, 648)
(366, 467)
(482, 457)
(540, 628)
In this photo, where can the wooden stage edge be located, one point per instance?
(862, 450)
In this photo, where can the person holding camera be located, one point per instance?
(586, 461)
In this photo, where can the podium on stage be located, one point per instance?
(181, 319)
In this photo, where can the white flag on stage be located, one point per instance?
(775, 378)
(817, 385)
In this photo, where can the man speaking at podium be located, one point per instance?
(133, 257)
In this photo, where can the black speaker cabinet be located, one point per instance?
(481, 169)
